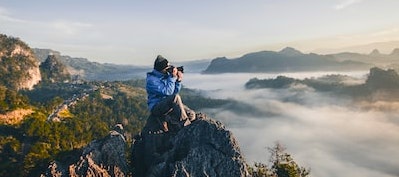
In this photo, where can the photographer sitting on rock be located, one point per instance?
(167, 110)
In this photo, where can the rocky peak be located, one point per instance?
(203, 148)
(289, 51)
(53, 70)
(375, 52)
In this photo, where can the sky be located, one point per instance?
(135, 32)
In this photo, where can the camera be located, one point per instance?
(180, 68)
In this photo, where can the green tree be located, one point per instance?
(282, 165)
(3, 103)
(11, 100)
(10, 156)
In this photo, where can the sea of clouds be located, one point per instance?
(333, 136)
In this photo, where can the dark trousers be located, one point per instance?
(172, 106)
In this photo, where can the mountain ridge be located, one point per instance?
(286, 60)
(384, 47)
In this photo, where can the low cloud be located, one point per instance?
(333, 136)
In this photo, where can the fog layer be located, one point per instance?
(333, 136)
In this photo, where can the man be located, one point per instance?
(164, 103)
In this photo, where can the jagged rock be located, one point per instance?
(53, 70)
(55, 170)
(104, 157)
(204, 148)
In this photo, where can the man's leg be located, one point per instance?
(173, 103)
(172, 109)
(178, 109)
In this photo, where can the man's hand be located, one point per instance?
(174, 73)
(179, 76)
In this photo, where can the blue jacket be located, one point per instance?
(159, 86)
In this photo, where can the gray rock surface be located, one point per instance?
(204, 148)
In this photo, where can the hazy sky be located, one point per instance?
(134, 32)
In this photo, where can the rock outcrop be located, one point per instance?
(53, 70)
(203, 148)
(104, 157)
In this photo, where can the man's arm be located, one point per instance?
(159, 87)
(179, 76)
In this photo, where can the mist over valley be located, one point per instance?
(333, 135)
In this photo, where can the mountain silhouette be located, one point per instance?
(289, 51)
(287, 60)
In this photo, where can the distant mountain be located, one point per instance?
(287, 60)
(195, 66)
(289, 51)
(383, 47)
(93, 70)
(395, 53)
(375, 53)
(19, 68)
(374, 58)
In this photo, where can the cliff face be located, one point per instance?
(204, 148)
(19, 68)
